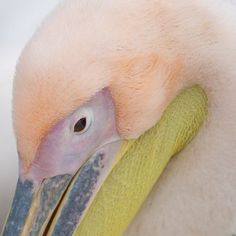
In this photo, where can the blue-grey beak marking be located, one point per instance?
(77, 202)
(57, 206)
(81, 191)
(20, 208)
(50, 194)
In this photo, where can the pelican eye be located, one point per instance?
(84, 120)
(80, 125)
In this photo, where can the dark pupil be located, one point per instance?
(80, 125)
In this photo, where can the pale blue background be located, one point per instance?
(18, 20)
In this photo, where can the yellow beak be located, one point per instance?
(141, 163)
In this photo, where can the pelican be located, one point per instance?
(97, 73)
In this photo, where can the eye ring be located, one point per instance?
(83, 122)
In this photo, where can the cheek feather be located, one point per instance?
(145, 87)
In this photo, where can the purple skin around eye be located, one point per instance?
(63, 151)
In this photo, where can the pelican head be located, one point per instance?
(91, 77)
